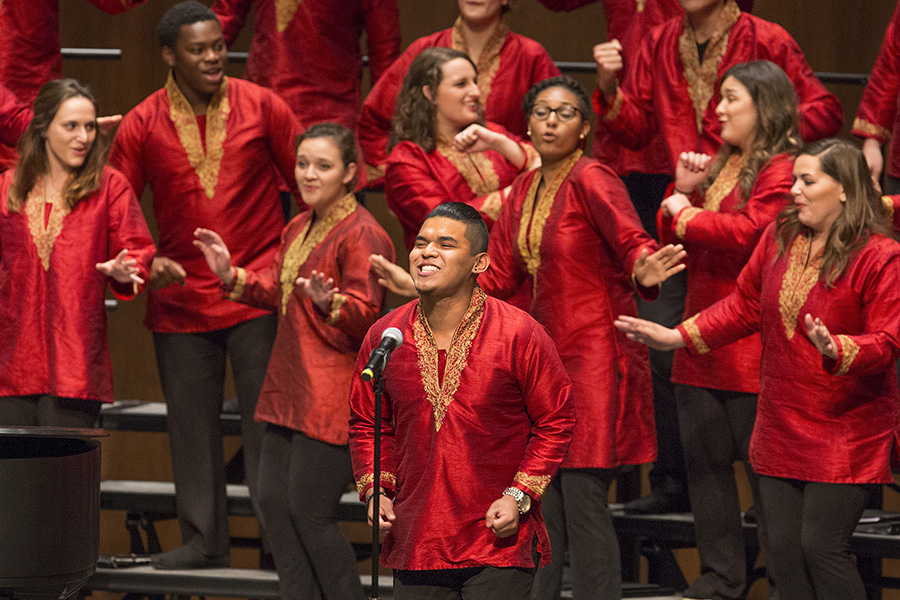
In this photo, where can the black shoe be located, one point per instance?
(185, 557)
(658, 504)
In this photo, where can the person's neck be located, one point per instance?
(324, 208)
(549, 169)
(55, 178)
(199, 102)
(706, 23)
(445, 130)
(477, 36)
(445, 314)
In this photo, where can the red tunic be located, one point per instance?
(877, 116)
(308, 379)
(498, 414)
(817, 419)
(510, 64)
(308, 52)
(580, 244)
(671, 93)
(229, 184)
(719, 235)
(15, 116)
(52, 317)
(417, 181)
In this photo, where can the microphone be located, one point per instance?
(390, 339)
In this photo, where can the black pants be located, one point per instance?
(477, 583)
(576, 512)
(301, 481)
(715, 431)
(810, 525)
(48, 411)
(192, 371)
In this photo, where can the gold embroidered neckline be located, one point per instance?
(284, 12)
(476, 168)
(440, 396)
(640, 5)
(205, 164)
(536, 211)
(489, 61)
(302, 245)
(724, 183)
(799, 279)
(44, 237)
(702, 76)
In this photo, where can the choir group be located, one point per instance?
(720, 223)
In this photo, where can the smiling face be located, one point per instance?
(817, 196)
(457, 97)
(737, 115)
(321, 175)
(481, 12)
(441, 262)
(198, 59)
(71, 134)
(555, 138)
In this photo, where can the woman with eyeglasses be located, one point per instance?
(569, 229)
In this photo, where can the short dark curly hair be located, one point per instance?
(565, 82)
(181, 14)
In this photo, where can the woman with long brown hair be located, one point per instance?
(821, 290)
(69, 226)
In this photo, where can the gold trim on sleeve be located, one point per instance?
(44, 237)
(205, 164)
(489, 61)
(690, 326)
(701, 77)
(476, 168)
(849, 351)
(337, 301)
(441, 395)
(369, 478)
(683, 218)
(876, 131)
(376, 172)
(538, 483)
(493, 205)
(798, 281)
(240, 280)
(284, 12)
(302, 245)
(616, 108)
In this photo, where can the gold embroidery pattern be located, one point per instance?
(284, 12)
(363, 482)
(535, 213)
(337, 301)
(702, 77)
(538, 483)
(725, 182)
(878, 131)
(798, 281)
(532, 158)
(44, 237)
(373, 173)
(889, 204)
(616, 106)
(240, 280)
(684, 217)
(493, 205)
(476, 168)
(489, 61)
(690, 326)
(205, 165)
(303, 244)
(849, 350)
(440, 397)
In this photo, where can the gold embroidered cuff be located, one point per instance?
(848, 353)
(889, 205)
(863, 127)
(538, 483)
(532, 158)
(337, 301)
(682, 219)
(693, 332)
(240, 279)
(616, 108)
(493, 204)
(363, 483)
(374, 173)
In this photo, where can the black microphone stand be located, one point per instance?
(378, 386)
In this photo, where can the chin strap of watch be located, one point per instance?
(523, 500)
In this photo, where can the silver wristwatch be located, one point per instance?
(523, 500)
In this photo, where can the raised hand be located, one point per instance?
(108, 123)
(215, 252)
(392, 276)
(820, 337)
(164, 272)
(649, 333)
(674, 204)
(319, 289)
(608, 57)
(121, 268)
(653, 269)
(692, 170)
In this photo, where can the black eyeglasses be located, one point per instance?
(565, 112)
